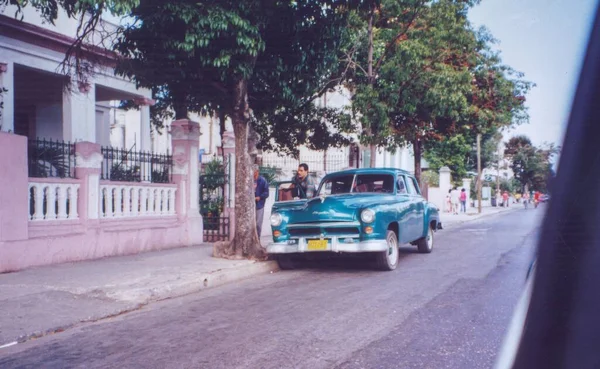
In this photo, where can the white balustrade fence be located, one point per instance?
(125, 201)
(53, 201)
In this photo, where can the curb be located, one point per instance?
(138, 299)
(475, 217)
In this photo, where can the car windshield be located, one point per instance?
(359, 183)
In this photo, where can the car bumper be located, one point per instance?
(334, 245)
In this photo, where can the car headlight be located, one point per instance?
(367, 216)
(276, 219)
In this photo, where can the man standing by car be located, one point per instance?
(261, 192)
(302, 179)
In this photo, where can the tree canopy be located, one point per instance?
(531, 165)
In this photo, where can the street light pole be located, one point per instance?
(479, 173)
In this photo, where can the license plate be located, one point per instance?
(317, 245)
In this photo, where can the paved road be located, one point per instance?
(448, 309)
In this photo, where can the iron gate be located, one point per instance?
(213, 187)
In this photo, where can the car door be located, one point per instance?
(404, 210)
(417, 209)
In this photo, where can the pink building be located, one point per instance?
(65, 193)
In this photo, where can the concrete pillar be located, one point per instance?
(185, 136)
(79, 113)
(14, 187)
(445, 180)
(467, 187)
(7, 81)
(88, 164)
(145, 137)
(228, 146)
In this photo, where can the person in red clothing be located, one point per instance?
(505, 198)
(463, 201)
(536, 198)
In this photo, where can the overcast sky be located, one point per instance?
(546, 40)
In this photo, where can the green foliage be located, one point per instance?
(270, 174)
(450, 152)
(531, 165)
(120, 172)
(214, 175)
(431, 177)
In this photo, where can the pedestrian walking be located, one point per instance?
(261, 193)
(526, 199)
(455, 198)
(463, 200)
(505, 198)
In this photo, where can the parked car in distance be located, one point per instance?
(369, 210)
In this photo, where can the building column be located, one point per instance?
(79, 113)
(185, 136)
(7, 81)
(145, 137)
(88, 164)
(445, 180)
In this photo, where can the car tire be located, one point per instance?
(286, 262)
(388, 260)
(425, 244)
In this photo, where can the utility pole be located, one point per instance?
(479, 173)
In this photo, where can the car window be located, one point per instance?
(412, 186)
(374, 183)
(360, 183)
(401, 185)
(336, 185)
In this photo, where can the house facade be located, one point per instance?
(74, 187)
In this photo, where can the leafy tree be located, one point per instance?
(377, 27)
(428, 78)
(255, 61)
(531, 165)
(450, 152)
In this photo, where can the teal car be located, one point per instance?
(353, 211)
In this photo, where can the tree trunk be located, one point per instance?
(245, 243)
(479, 173)
(371, 79)
(222, 117)
(417, 153)
(180, 105)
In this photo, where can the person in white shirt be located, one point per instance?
(455, 198)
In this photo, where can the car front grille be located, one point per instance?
(327, 231)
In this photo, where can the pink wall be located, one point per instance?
(13, 187)
(25, 243)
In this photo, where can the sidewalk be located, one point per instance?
(450, 220)
(38, 301)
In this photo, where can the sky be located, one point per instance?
(546, 40)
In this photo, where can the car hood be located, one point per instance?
(334, 208)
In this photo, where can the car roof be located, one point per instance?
(370, 171)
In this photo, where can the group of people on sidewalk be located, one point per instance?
(455, 199)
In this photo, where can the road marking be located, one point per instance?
(8, 345)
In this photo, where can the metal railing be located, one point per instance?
(48, 158)
(136, 166)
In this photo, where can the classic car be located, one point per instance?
(353, 211)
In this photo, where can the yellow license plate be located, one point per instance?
(317, 245)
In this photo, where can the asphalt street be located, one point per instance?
(447, 309)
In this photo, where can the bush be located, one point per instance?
(432, 178)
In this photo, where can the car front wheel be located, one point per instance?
(388, 259)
